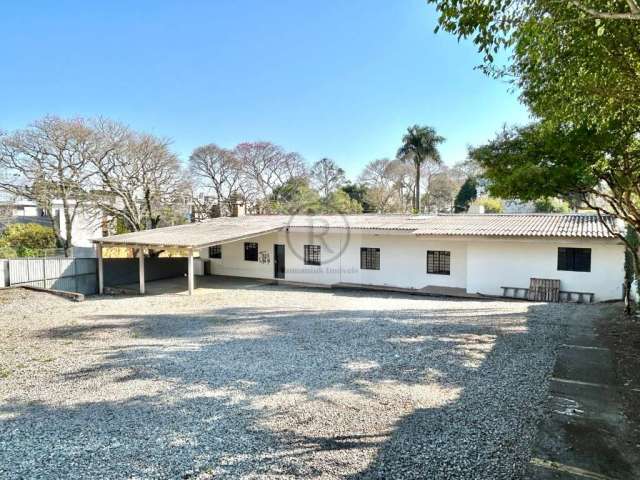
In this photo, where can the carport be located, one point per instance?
(191, 237)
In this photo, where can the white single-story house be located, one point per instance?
(465, 254)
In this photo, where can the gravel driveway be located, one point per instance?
(272, 382)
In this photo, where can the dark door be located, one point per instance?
(278, 261)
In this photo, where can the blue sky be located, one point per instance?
(341, 79)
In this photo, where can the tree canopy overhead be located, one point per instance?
(576, 61)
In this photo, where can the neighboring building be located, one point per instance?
(447, 253)
(85, 226)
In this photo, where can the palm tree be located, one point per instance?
(420, 144)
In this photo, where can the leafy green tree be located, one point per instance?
(295, 197)
(419, 145)
(551, 205)
(465, 196)
(575, 61)
(339, 202)
(28, 238)
(358, 193)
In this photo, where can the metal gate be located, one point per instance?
(60, 273)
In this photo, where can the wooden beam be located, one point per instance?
(141, 269)
(190, 272)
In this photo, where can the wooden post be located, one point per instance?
(141, 268)
(100, 270)
(190, 272)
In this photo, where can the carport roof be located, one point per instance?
(228, 229)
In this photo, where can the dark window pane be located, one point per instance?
(438, 262)
(251, 251)
(215, 251)
(574, 259)
(312, 254)
(370, 258)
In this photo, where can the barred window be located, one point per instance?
(439, 262)
(574, 259)
(215, 251)
(370, 258)
(251, 251)
(312, 254)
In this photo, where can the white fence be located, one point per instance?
(59, 273)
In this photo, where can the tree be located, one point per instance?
(140, 180)
(295, 197)
(218, 170)
(358, 193)
(265, 167)
(440, 193)
(327, 176)
(50, 160)
(630, 267)
(551, 205)
(340, 202)
(381, 180)
(465, 196)
(420, 144)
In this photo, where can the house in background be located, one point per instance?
(84, 228)
(454, 254)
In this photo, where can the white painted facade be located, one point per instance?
(477, 265)
(85, 227)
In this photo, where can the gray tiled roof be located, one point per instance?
(520, 225)
(226, 229)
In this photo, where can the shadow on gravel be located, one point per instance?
(301, 393)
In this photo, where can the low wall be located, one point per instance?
(123, 271)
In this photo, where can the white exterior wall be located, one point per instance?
(477, 265)
(511, 263)
(402, 260)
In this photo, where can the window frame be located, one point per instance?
(574, 259)
(312, 255)
(369, 258)
(248, 248)
(215, 252)
(440, 262)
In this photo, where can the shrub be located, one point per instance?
(551, 205)
(490, 204)
(28, 238)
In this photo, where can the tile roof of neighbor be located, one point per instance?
(226, 229)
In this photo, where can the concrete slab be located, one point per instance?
(581, 434)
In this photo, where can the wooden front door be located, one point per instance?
(278, 261)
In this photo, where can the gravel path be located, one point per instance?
(271, 382)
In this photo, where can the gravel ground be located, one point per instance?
(272, 382)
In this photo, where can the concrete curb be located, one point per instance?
(76, 297)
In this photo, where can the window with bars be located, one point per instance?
(215, 251)
(370, 258)
(439, 262)
(312, 254)
(574, 259)
(251, 252)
